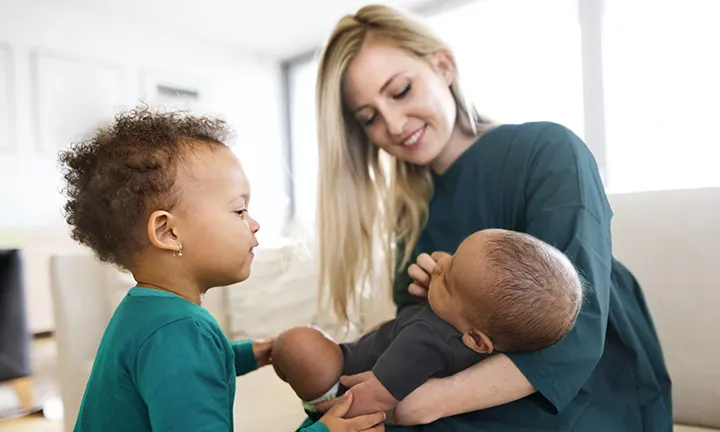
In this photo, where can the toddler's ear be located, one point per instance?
(478, 341)
(162, 231)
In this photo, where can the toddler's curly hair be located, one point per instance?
(125, 171)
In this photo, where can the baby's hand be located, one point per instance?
(262, 349)
(420, 272)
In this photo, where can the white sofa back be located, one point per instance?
(670, 240)
(85, 293)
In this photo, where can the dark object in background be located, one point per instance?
(14, 334)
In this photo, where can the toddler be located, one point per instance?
(501, 291)
(161, 195)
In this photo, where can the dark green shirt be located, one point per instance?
(608, 374)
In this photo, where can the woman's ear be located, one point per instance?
(478, 341)
(162, 231)
(444, 64)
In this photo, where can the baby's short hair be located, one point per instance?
(126, 170)
(534, 293)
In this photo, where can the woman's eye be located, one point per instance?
(368, 121)
(404, 92)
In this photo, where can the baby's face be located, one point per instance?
(441, 296)
(457, 279)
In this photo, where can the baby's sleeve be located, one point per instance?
(416, 354)
(182, 377)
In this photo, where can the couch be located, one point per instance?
(669, 239)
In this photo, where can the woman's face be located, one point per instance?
(403, 102)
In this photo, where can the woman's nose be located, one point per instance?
(395, 122)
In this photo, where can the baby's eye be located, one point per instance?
(241, 213)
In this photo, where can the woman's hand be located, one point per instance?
(335, 422)
(262, 349)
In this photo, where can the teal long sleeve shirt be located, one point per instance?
(164, 364)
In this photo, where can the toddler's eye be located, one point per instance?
(241, 213)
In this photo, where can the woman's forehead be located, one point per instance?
(374, 65)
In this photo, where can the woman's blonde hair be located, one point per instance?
(368, 209)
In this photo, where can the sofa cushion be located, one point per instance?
(669, 240)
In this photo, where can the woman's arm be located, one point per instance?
(492, 382)
(565, 206)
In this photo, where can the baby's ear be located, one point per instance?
(478, 341)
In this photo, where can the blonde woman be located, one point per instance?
(387, 85)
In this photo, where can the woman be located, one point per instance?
(387, 83)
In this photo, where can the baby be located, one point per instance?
(502, 291)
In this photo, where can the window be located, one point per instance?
(662, 94)
(653, 104)
(303, 136)
(520, 60)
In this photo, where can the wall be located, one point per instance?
(244, 88)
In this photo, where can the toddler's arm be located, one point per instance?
(245, 361)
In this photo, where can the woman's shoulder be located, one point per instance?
(524, 140)
(534, 132)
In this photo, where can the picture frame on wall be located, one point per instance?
(73, 96)
(7, 100)
(172, 91)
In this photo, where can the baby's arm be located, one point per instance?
(308, 361)
(415, 355)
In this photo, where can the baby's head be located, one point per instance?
(162, 193)
(506, 291)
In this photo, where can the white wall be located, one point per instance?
(244, 88)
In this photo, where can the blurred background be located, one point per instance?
(638, 80)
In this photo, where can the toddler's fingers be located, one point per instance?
(366, 422)
(342, 407)
(328, 405)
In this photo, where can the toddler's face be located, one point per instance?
(217, 231)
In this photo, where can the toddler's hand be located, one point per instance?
(262, 349)
(336, 423)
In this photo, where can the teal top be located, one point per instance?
(608, 374)
(164, 364)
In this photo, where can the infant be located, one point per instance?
(502, 291)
